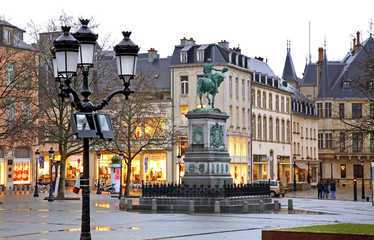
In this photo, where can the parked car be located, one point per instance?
(276, 187)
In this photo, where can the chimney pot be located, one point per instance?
(358, 38)
(320, 54)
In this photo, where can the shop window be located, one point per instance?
(74, 166)
(184, 111)
(155, 167)
(21, 172)
(343, 171)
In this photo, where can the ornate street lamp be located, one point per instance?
(179, 159)
(51, 157)
(36, 193)
(98, 190)
(294, 174)
(120, 180)
(77, 50)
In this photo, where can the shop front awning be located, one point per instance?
(302, 165)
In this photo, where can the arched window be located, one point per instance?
(254, 126)
(184, 84)
(283, 129)
(264, 129)
(259, 122)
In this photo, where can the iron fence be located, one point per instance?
(204, 191)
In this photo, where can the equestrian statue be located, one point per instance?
(210, 83)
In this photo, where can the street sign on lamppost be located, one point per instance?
(51, 157)
(77, 50)
(37, 153)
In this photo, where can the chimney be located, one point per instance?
(223, 44)
(191, 41)
(152, 55)
(184, 41)
(358, 38)
(320, 54)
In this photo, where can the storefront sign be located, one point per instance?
(146, 164)
(41, 159)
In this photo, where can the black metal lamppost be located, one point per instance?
(278, 164)
(363, 180)
(51, 188)
(36, 193)
(98, 190)
(308, 158)
(179, 159)
(77, 50)
(120, 180)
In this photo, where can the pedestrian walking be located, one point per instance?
(333, 189)
(325, 190)
(320, 188)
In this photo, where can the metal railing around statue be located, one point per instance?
(205, 191)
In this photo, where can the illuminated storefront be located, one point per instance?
(239, 173)
(2, 167)
(155, 167)
(74, 166)
(260, 167)
(283, 169)
(21, 166)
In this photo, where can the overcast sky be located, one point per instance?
(260, 28)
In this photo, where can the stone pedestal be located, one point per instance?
(207, 161)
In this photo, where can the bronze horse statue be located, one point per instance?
(210, 86)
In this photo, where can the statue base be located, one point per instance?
(207, 161)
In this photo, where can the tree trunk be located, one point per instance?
(61, 186)
(128, 179)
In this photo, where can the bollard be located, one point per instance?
(191, 206)
(25, 190)
(1, 190)
(129, 204)
(290, 205)
(245, 207)
(15, 190)
(122, 203)
(10, 190)
(217, 208)
(276, 205)
(261, 206)
(154, 205)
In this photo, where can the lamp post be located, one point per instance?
(278, 164)
(77, 50)
(179, 158)
(294, 174)
(51, 188)
(36, 193)
(120, 180)
(98, 190)
(363, 180)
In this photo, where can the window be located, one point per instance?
(264, 100)
(341, 110)
(320, 140)
(243, 89)
(288, 132)
(371, 142)
(356, 110)
(7, 36)
(254, 126)
(346, 85)
(287, 105)
(231, 117)
(10, 113)
(26, 110)
(184, 84)
(328, 139)
(277, 103)
(259, 128)
(184, 111)
(237, 88)
(243, 118)
(357, 142)
(342, 141)
(200, 56)
(253, 98)
(319, 110)
(258, 99)
(9, 73)
(270, 101)
(277, 130)
(282, 104)
(328, 110)
(237, 116)
(230, 86)
(264, 128)
(372, 110)
(343, 171)
(271, 129)
(357, 171)
(183, 57)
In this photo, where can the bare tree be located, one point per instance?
(141, 123)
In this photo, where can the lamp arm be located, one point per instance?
(75, 100)
(125, 91)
